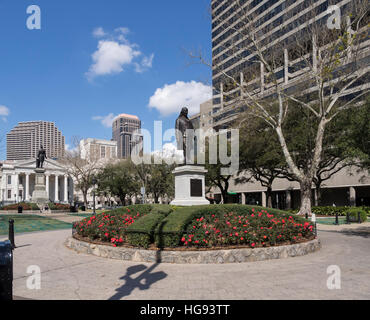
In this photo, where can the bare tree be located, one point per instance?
(82, 166)
(295, 59)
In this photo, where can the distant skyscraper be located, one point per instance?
(24, 140)
(122, 129)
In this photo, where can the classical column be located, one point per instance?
(66, 189)
(47, 185)
(243, 198)
(56, 191)
(288, 201)
(352, 196)
(16, 187)
(27, 191)
(264, 199)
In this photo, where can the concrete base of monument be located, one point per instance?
(189, 186)
(39, 195)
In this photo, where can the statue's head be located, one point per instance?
(41, 147)
(184, 112)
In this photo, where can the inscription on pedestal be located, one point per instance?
(196, 188)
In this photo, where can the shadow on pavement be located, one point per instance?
(142, 282)
(360, 232)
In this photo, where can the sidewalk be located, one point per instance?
(68, 275)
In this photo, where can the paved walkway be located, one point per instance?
(68, 275)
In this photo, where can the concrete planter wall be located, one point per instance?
(194, 257)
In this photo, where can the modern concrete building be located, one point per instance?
(203, 119)
(276, 24)
(24, 140)
(97, 149)
(17, 181)
(123, 128)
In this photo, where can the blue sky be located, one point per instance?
(93, 60)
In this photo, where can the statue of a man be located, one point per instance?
(182, 124)
(41, 156)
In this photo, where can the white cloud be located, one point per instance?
(145, 64)
(99, 32)
(105, 120)
(4, 112)
(110, 58)
(114, 53)
(172, 98)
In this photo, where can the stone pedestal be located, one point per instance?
(189, 186)
(39, 195)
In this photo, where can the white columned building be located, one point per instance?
(17, 181)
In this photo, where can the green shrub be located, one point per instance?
(331, 211)
(140, 234)
(256, 229)
(59, 206)
(353, 214)
(170, 231)
(25, 206)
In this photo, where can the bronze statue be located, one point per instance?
(183, 141)
(41, 156)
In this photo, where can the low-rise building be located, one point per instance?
(17, 181)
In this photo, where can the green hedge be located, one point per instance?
(140, 234)
(331, 211)
(25, 206)
(168, 233)
(353, 214)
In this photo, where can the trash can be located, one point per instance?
(83, 208)
(20, 209)
(6, 271)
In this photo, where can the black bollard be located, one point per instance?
(336, 218)
(347, 218)
(359, 217)
(11, 233)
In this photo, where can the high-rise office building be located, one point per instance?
(123, 128)
(278, 26)
(25, 139)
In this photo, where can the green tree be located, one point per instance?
(119, 180)
(261, 157)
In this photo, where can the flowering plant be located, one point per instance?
(257, 229)
(107, 227)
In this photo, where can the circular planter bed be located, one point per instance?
(198, 234)
(215, 256)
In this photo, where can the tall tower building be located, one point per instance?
(283, 30)
(24, 140)
(122, 129)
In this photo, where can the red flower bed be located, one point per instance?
(255, 230)
(107, 227)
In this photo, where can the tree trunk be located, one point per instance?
(224, 195)
(269, 196)
(306, 194)
(318, 197)
(123, 200)
(85, 198)
(156, 198)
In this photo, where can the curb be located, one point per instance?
(194, 257)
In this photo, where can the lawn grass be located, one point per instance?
(30, 223)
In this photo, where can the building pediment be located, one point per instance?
(31, 164)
